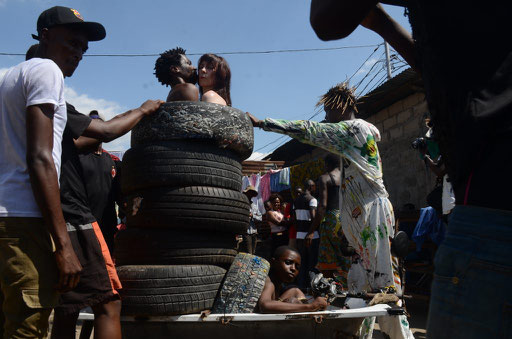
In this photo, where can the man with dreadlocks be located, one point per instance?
(174, 69)
(367, 218)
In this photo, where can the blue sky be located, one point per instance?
(278, 85)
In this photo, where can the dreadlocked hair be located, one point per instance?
(339, 96)
(164, 62)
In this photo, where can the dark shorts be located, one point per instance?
(98, 280)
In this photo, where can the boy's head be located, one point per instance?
(285, 264)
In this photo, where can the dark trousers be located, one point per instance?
(249, 243)
(309, 259)
(278, 239)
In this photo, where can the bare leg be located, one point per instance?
(64, 325)
(107, 320)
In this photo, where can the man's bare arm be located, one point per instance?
(45, 185)
(337, 19)
(398, 37)
(121, 124)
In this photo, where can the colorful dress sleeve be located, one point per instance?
(355, 140)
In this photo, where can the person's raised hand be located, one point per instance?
(69, 268)
(255, 121)
(150, 106)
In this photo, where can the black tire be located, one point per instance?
(194, 207)
(228, 127)
(168, 290)
(174, 247)
(180, 164)
(243, 285)
(147, 238)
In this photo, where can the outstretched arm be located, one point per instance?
(333, 137)
(121, 124)
(337, 19)
(398, 37)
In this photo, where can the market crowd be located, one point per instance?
(58, 187)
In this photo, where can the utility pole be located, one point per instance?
(388, 62)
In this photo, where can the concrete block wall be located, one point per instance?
(405, 175)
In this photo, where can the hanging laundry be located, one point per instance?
(264, 188)
(284, 176)
(308, 170)
(275, 184)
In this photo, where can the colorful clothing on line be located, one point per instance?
(264, 188)
(330, 257)
(284, 176)
(309, 170)
(275, 185)
(367, 217)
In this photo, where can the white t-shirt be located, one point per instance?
(306, 215)
(33, 82)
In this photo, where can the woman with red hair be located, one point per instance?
(214, 79)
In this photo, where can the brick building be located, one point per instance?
(398, 109)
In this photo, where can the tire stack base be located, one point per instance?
(182, 180)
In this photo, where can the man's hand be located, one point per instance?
(69, 268)
(255, 121)
(308, 240)
(319, 304)
(150, 106)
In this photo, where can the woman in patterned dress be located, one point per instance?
(367, 217)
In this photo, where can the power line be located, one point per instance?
(221, 53)
(270, 143)
(364, 62)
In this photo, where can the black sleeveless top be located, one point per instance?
(333, 195)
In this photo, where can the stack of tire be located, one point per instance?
(182, 183)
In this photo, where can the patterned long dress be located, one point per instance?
(367, 217)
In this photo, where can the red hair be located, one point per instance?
(222, 75)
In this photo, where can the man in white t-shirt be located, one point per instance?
(36, 257)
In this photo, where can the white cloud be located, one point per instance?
(258, 156)
(367, 66)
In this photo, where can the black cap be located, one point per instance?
(59, 15)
